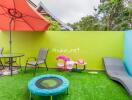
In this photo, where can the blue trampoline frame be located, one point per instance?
(48, 92)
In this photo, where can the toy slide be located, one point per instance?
(116, 71)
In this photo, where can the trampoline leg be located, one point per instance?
(67, 91)
(51, 98)
(30, 96)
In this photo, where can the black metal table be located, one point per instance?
(11, 56)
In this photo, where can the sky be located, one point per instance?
(70, 11)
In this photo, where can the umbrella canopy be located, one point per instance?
(17, 15)
(21, 17)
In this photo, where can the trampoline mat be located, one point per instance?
(48, 83)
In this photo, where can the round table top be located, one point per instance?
(48, 85)
(11, 55)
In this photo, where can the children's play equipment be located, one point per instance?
(64, 62)
(79, 62)
(48, 85)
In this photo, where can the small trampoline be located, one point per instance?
(48, 85)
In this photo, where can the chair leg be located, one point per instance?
(2, 64)
(20, 63)
(25, 67)
(46, 66)
(35, 70)
(21, 67)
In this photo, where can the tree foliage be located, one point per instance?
(84, 24)
(55, 26)
(115, 15)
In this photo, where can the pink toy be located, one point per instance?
(80, 61)
(63, 57)
(66, 64)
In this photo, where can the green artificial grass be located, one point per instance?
(83, 86)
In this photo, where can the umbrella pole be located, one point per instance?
(10, 42)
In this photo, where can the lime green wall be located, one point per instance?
(93, 45)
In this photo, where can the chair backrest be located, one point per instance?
(42, 54)
(1, 50)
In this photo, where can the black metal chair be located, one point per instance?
(41, 59)
(1, 64)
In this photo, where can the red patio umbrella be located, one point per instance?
(17, 15)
